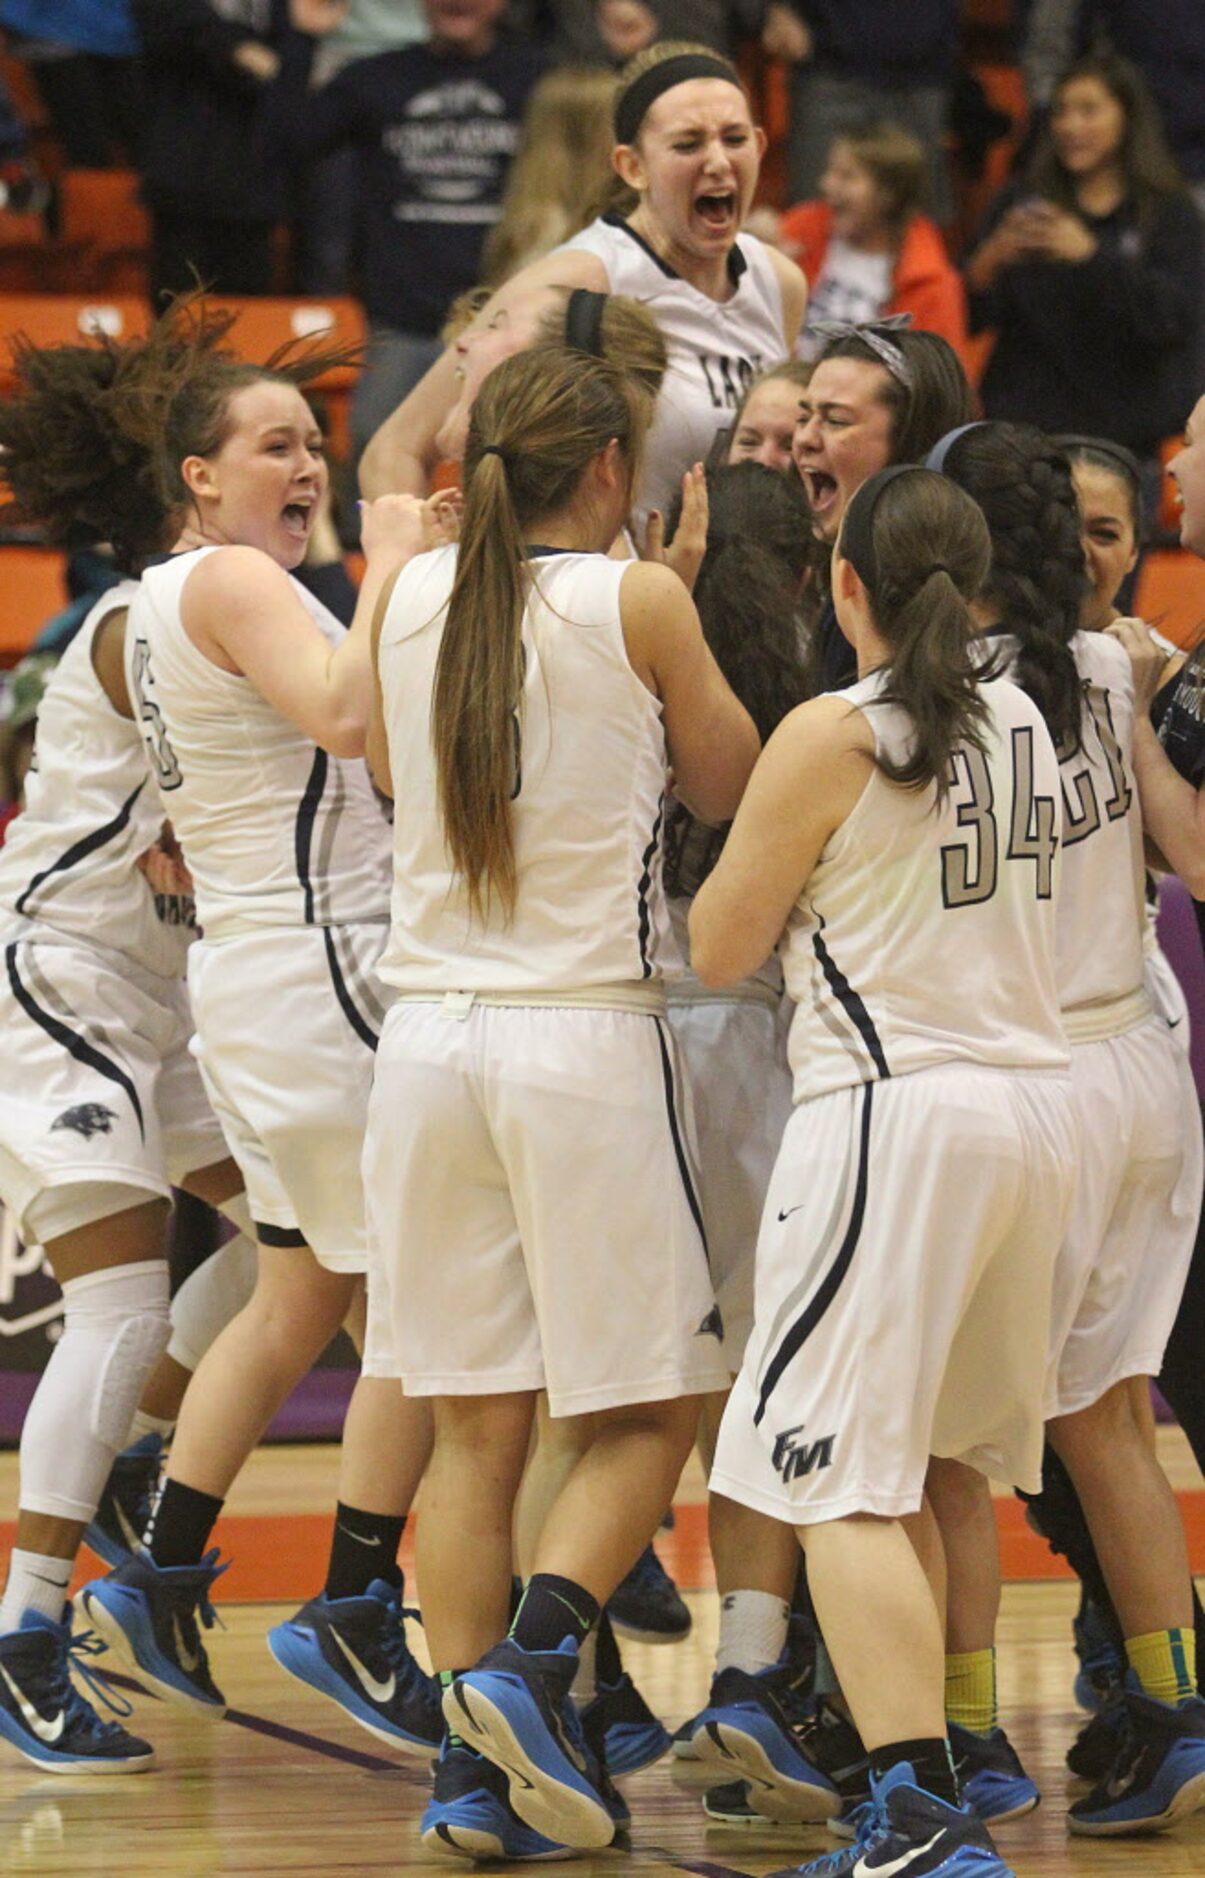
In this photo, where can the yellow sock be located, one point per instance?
(1165, 1663)
(971, 1691)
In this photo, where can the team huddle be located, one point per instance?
(642, 1015)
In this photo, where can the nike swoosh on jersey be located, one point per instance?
(49, 1732)
(898, 1866)
(379, 1691)
(190, 1660)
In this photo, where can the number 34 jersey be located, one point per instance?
(926, 932)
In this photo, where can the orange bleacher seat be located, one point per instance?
(264, 324)
(58, 319)
(99, 210)
(32, 587)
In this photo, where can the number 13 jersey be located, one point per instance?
(926, 932)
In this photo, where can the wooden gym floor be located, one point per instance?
(287, 1785)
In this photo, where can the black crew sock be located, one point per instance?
(553, 1608)
(608, 1664)
(363, 1547)
(931, 1763)
(181, 1524)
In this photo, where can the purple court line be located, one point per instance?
(376, 1764)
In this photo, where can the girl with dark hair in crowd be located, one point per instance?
(102, 1108)
(899, 1310)
(1090, 270)
(1121, 1270)
(878, 394)
(532, 691)
(686, 159)
(253, 703)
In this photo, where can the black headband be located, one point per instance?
(936, 459)
(632, 105)
(1125, 459)
(583, 321)
(857, 528)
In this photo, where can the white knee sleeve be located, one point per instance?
(115, 1329)
(209, 1298)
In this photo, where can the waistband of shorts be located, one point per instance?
(1092, 1023)
(749, 991)
(647, 1000)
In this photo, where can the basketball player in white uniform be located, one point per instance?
(901, 1307)
(252, 702)
(527, 1171)
(1121, 1270)
(101, 1107)
(687, 158)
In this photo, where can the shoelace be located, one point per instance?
(78, 1710)
(194, 1602)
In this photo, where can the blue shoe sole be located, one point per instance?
(631, 1746)
(41, 1754)
(299, 1654)
(749, 1747)
(120, 1616)
(1185, 1798)
(478, 1834)
(495, 1714)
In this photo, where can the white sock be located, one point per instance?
(144, 1424)
(35, 1583)
(585, 1685)
(753, 1630)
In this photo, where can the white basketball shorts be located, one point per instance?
(1121, 1272)
(734, 1056)
(903, 1289)
(531, 1205)
(287, 1024)
(97, 1086)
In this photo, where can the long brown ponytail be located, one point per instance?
(537, 421)
(930, 553)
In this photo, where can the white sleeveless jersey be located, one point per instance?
(926, 933)
(275, 831)
(715, 347)
(69, 866)
(587, 815)
(1102, 898)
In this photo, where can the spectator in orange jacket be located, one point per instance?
(865, 247)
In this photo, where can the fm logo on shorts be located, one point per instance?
(793, 1462)
(86, 1119)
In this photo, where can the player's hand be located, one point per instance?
(1148, 660)
(685, 553)
(392, 529)
(163, 864)
(317, 17)
(442, 513)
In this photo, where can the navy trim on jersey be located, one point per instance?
(851, 1004)
(671, 1107)
(80, 850)
(736, 262)
(355, 1017)
(643, 917)
(307, 811)
(830, 1284)
(79, 1047)
(287, 1236)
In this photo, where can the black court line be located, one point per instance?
(376, 1764)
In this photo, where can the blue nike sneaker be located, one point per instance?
(746, 1732)
(1158, 1773)
(116, 1528)
(1101, 1666)
(647, 1605)
(469, 1813)
(148, 1615)
(514, 1707)
(908, 1833)
(622, 1729)
(44, 1716)
(990, 1776)
(354, 1651)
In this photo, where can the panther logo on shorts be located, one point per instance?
(86, 1119)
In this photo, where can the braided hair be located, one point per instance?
(1022, 482)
